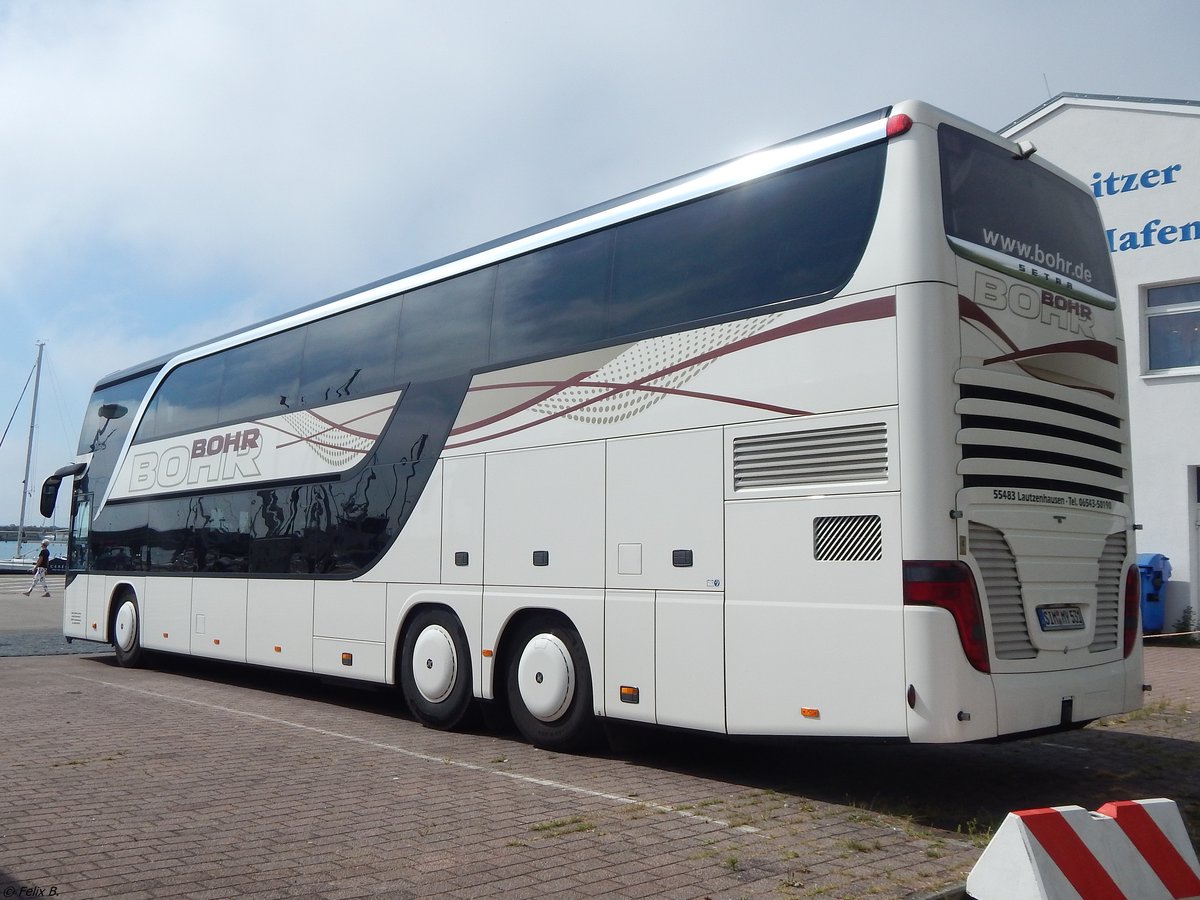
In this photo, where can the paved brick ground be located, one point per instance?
(203, 781)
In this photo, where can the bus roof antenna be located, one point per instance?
(1025, 149)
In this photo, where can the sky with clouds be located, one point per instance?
(171, 170)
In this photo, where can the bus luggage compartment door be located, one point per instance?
(814, 638)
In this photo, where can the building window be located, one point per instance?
(1173, 326)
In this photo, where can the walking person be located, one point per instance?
(39, 570)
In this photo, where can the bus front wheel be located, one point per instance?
(435, 669)
(549, 686)
(126, 631)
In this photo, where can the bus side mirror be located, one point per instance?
(50, 487)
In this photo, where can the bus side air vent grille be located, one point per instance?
(1006, 608)
(820, 456)
(848, 538)
(1108, 594)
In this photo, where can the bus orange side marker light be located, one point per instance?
(278, 649)
(487, 654)
(216, 642)
(810, 713)
(630, 694)
(347, 659)
(93, 626)
(165, 635)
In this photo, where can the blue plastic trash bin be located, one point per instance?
(1156, 572)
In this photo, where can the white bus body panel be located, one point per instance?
(663, 498)
(797, 628)
(75, 607)
(366, 659)
(219, 618)
(689, 654)
(349, 617)
(353, 610)
(545, 501)
(166, 605)
(462, 520)
(664, 494)
(629, 654)
(96, 617)
(279, 624)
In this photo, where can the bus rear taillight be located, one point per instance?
(1133, 602)
(898, 125)
(949, 585)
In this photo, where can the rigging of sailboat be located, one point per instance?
(19, 563)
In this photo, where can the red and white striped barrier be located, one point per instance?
(1125, 850)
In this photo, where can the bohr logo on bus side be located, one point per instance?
(222, 458)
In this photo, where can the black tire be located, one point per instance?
(549, 686)
(126, 631)
(435, 669)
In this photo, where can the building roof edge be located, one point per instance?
(1058, 100)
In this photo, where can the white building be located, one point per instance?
(1142, 160)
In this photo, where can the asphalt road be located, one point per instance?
(32, 626)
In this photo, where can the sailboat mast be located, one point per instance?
(37, 380)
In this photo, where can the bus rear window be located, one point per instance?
(1015, 209)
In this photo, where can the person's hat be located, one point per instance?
(46, 542)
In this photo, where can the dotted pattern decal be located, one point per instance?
(633, 368)
(334, 444)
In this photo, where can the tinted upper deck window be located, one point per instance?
(444, 328)
(262, 378)
(793, 235)
(552, 300)
(187, 400)
(351, 354)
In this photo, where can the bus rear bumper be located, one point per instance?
(951, 702)
(1042, 700)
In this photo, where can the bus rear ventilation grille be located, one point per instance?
(1108, 594)
(1006, 606)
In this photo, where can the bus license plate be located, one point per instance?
(1060, 618)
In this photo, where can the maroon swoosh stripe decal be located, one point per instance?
(864, 311)
(1098, 349)
(333, 426)
(553, 387)
(972, 312)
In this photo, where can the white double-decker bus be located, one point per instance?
(829, 440)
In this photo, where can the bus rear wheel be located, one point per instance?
(435, 669)
(126, 631)
(549, 686)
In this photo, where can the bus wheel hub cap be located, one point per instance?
(546, 677)
(434, 663)
(126, 626)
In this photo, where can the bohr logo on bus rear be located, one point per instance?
(1028, 302)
